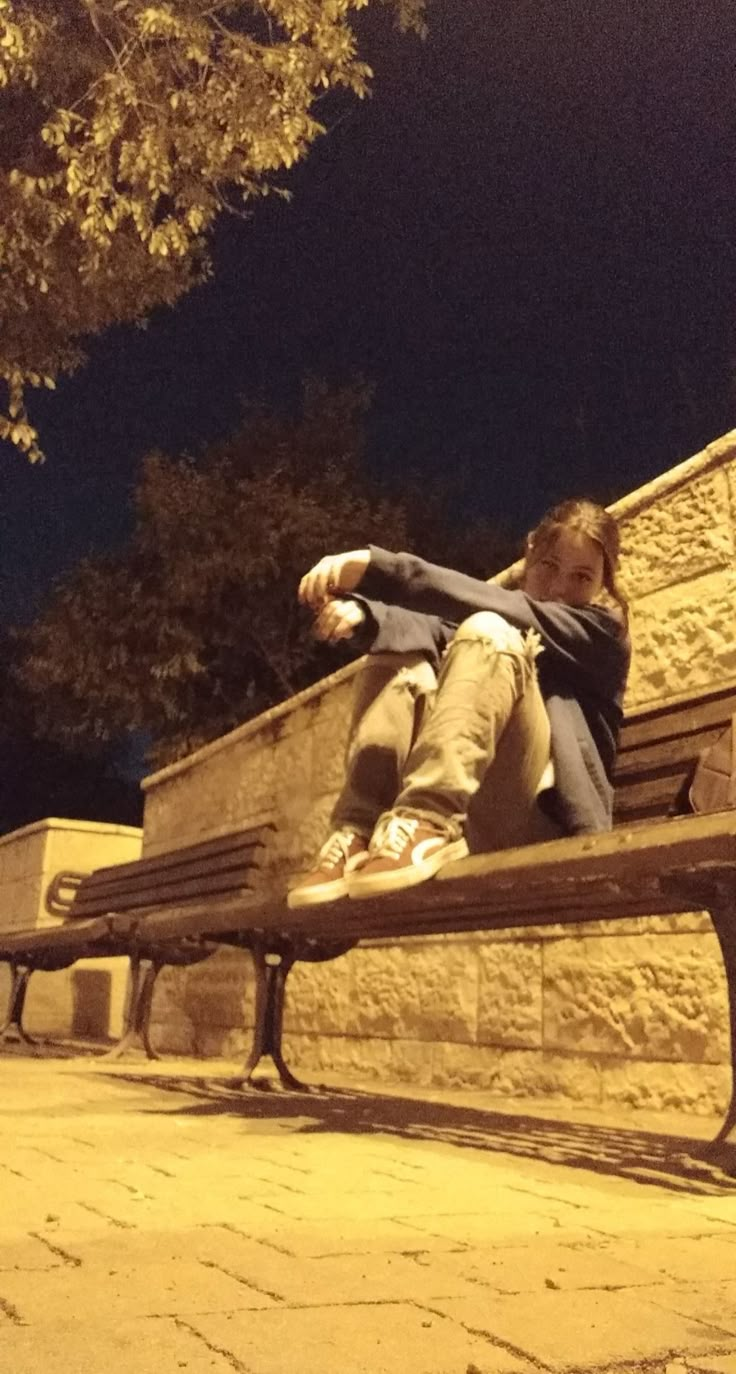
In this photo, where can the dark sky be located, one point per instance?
(527, 239)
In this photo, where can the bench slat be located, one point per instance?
(152, 894)
(246, 842)
(683, 749)
(670, 722)
(76, 938)
(98, 889)
(653, 794)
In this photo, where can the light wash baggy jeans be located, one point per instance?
(470, 748)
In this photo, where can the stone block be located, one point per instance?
(293, 790)
(683, 639)
(227, 789)
(643, 997)
(516, 1073)
(676, 540)
(174, 1036)
(696, 1089)
(49, 1008)
(411, 1061)
(219, 1042)
(361, 1057)
(22, 852)
(632, 925)
(21, 901)
(319, 997)
(29, 858)
(299, 837)
(424, 991)
(88, 846)
(217, 992)
(356, 1058)
(249, 782)
(170, 817)
(168, 994)
(510, 994)
(330, 734)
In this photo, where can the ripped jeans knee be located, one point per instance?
(490, 628)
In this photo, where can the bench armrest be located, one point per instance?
(61, 892)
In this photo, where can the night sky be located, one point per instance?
(526, 239)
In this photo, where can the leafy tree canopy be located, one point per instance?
(126, 128)
(194, 627)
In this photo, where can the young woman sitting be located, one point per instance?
(484, 717)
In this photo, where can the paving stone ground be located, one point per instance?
(154, 1219)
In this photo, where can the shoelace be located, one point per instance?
(337, 847)
(391, 837)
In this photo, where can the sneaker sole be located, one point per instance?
(374, 884)
(321, 892)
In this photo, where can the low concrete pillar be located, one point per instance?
(89, 998)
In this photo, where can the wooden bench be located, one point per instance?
(653, 862)
(102, 911)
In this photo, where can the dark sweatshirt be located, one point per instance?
(413, 605)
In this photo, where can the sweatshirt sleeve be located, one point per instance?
(393, 629)
(585, 642)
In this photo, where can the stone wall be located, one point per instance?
(629, 1012)
(88, 998)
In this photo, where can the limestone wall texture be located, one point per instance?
(87, 999)
(629, 1013)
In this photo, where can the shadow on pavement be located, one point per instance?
(681, 1163)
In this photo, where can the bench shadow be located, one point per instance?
(682, 1164)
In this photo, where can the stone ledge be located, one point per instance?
(59, 823)
(265, 721)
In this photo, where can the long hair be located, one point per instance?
(585, 517)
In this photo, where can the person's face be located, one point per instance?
(569, 569)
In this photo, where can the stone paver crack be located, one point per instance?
(56, 1249)
(257, 1240)
(281, 1164)
(114, 1221)
(48, 1155)
(129, 1188)
(12, 1313)
(228, 1355)
(278, 1183)
(240, 1278)
(269, 1206)
(15, 1172)
(483, 1334)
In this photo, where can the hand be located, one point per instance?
(337, 620)
(338, 572)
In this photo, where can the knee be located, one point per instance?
(410, 669)
(490, 626)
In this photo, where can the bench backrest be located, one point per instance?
(658, 750)
(226, 864)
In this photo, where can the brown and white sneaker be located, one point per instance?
(328, 880)
(404, 850)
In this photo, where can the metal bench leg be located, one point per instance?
(724, 923)
(12, 1028)
(271, 971)
(138, 1012)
